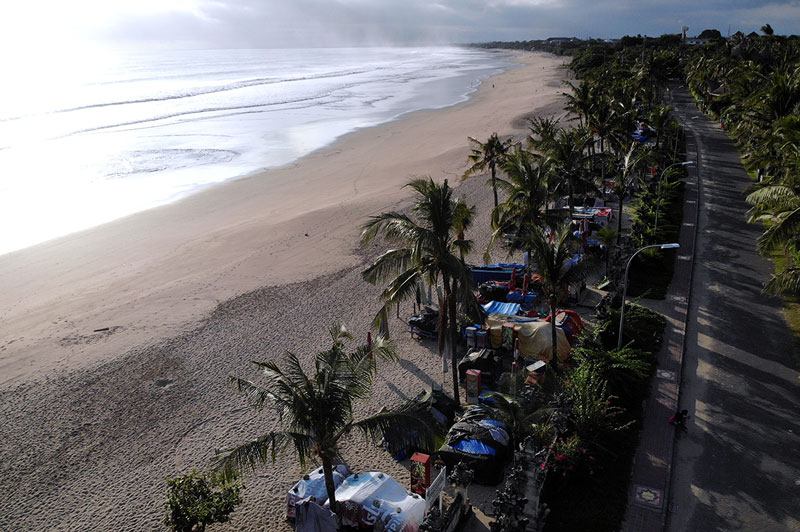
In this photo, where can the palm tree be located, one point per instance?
(779, 207)
(429, 255)
(600, 120)
(659, 118)
(490, 154)
(519, 421)
(525, 207)
(317, 408)
(554, 266)
(565, 153)
(582, 100)
(463, 216)
(625, 176)
(543, 133)
(607, 236)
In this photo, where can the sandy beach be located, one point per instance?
(116, 341)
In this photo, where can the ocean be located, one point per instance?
(92, 139)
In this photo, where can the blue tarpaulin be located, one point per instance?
(526, 301)
(474, 447)
(495, 307)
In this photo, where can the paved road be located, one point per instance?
(738, 468)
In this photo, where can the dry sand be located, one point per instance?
(94, 421)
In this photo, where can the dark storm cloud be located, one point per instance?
(250, 23)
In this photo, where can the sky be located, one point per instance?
(42, 25)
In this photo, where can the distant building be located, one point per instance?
(695, 41)
(560, 40)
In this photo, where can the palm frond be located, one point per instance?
(409, 426)
(393, 225)
(784, 228)
(260, 451)
(255, 394)
(786, 282)
(388, 264)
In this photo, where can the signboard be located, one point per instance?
(435, 489)
(472, 383)
(420, 473)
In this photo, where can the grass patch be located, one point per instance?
(791, 308)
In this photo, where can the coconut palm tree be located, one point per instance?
(519, 421)
(606, 236)
(557, 271)
(659, 119)
(463, 216)
(566, 158)
(430, 254)
(317, 408)
(582, 100)
(625, 176)
(543, 133)
(525, 209)
(489, 154)
(778, 206)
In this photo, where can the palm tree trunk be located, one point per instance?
(494, 185)
(449, 326)
(571, 200)
(330, 487)
(603, 179)
(528, 266)
(453, 341)
(441, 326)
(619, 219)
(553, 335)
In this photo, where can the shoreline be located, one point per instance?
(191, 292)
(150, 275)
(245, 163)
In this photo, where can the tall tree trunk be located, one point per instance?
(330, 487)
(453, 341)
(603, 178)
(528, 267)
(553, 335)
(571, 200)
(494, 184)
(449, 302)
(441, 326)
(619, 219)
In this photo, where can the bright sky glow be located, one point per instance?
(40, 26)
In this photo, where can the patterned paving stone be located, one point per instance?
(648, 496)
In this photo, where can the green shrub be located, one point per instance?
(643, 329)
(197, 499)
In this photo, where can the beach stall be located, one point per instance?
(534, 336)
(312, 485)
(495, 272)
(367, 499)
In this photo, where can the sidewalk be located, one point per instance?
(648, 498)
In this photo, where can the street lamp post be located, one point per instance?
(625, 285)
(660, 179)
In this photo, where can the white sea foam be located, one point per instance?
(93, 140)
